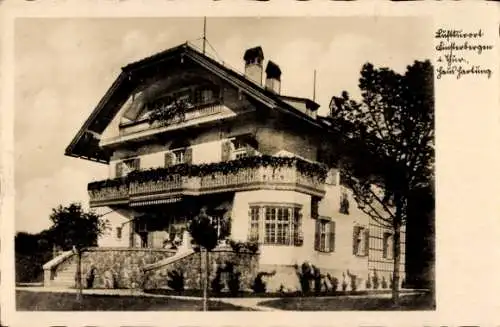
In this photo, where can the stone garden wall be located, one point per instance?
(246, 263)
(118, 267)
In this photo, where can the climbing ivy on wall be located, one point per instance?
(226, 167)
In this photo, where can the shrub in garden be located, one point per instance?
(333, 281)
(376, 282)
(384, 282)
(307, 274)
(259, 286)
(253, 247)
(368, 283)
(344, 283)
(216, 283)
(236, 246)
(353, 282)
(176, 280)
(233, 282)
(317, 277)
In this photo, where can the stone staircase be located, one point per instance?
(60, 272)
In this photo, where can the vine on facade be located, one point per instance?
(226, 167)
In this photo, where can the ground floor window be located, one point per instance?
(388, 249)
(324, 240)
(360, 244)
(277, 224)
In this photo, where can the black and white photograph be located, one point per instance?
(224, 164)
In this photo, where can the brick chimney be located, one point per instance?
(253, 64)
(273, 77)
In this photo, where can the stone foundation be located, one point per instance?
(118, 267)
(244, 262)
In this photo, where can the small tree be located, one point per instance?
(73, 228)
(204, 233)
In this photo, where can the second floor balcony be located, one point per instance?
(164, 185)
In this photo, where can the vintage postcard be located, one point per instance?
(319, 164)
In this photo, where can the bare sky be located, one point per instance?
(64, 66)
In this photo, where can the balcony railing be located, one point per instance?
(237, 175)
(196, 112)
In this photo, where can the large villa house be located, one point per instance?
(252, 158)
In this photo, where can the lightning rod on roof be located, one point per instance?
(314, 86)
(204, 33)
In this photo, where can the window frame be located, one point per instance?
(119, 232)
(175, 152)
(290, 232)
(325, 235)
(363, 239)
(387, 245)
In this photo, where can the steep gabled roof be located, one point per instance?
(85, 143)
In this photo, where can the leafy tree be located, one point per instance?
(385, 144)
(73, 228)
(204, 233)
(32, 251)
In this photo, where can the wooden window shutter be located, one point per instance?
(367, 241)
(332, 236)
(355, 237)
(317, 245)
(188, 156)
(119, 169)
(226, 151)
(169, 159)
(136, 163)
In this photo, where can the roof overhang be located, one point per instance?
(85, 144)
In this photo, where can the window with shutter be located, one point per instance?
(119, 169)
(387, 246)
(332, 237)
(356, 240)
(188, 156)
(366, 241)
(317, 241)
(226, 151)
(169, 159)
(136, 164)
(179, 156)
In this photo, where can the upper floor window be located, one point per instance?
(388, 248)
(281, 224)
(324, 240)
(179, 156)
(119, 233)
(123, 168)
(193, 96)
(360, 242)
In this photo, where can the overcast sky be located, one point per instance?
(64, 67)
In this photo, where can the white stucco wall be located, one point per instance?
(341, 260)
(273, 254)
(207, 152)
(116, 219)
(202, 153)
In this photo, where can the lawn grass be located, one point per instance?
(45, 301)
(242, 294)
(414, 302)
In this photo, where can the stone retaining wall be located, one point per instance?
(245, 263)
(119, 267)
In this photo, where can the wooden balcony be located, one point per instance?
(168, 184)
(143, 129)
